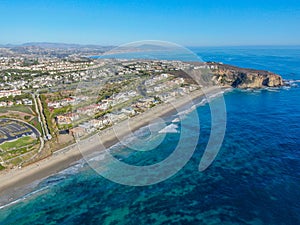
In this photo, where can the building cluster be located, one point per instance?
(152, 82)
(59, 80)
(12, 93)
(73, 100)
(91, 109)
(8, 93)
(158, 84)
(84, 122)
(43, 64)
(57, 73)
(24, 101)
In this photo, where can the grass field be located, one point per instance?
(19, 143)
(18, 108)
(35, 122)
(2, 167)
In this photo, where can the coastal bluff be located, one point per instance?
(236, 77)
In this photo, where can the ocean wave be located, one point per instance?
(98, 157)
(218, 94)
(272, 89)
(72, 169)
(286, 87)
(185, 112)
(203, 102)
(172, 128)
(124, 141)
(251, 90)
(132, 140)
(292, 83)
(142, 134)
(176, 120)
(31, 194)
(45, 183)
(215, 95)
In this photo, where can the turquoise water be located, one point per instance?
(255, 178)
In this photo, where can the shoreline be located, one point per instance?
(14, 183)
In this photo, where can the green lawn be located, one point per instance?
(2, 167)
(18, 108)
(13, 153)
(36, 124)
(23, 141)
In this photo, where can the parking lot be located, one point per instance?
(12, 129)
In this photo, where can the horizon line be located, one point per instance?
(189, 45)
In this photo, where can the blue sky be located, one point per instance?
(189, 22)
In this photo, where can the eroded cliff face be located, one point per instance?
(244, 78)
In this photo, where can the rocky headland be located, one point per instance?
(227, 75)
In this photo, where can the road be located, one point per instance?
(41, 116)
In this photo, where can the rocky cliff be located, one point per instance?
(243, 78)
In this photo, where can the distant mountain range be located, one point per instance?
(54, 45)
(140, 46)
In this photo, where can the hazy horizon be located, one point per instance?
(32, 43)
(188, 23)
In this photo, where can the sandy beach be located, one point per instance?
(14, 182)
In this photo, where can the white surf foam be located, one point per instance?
(172, 128)
(176, 120)
(23, 197)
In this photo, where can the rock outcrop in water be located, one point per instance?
(244, 78)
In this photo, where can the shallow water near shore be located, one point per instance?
(254, 180)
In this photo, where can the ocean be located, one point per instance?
(255, 178)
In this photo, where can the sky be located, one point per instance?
(185, 22)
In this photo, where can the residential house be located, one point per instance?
(27, 101)
(3, 104)
(7, 93)
(67, 118)
(129, 111)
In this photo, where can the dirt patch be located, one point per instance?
(64, 138)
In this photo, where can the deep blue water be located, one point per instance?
(255, 178)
